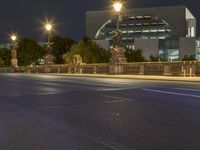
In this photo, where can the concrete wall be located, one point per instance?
(103, 43)
(187, 46)
(149, 47)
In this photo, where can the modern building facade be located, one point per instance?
(167, 32)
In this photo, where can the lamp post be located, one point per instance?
(118, 50)
(48, 58)
(118, 6)
(14, 61)
(117, 38)
(48, 28)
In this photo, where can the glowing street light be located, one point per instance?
(118, 50)
(14, 61)
(48, 27)
(48, 58)
(13, 38)
(117, 6)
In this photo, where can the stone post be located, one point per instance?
(14, 61)
(95, 69)
(117, 60)
(167, 70)
(142, 69)
(69, 69)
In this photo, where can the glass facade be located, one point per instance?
(142, 27)
(169, 50)
(198, 49)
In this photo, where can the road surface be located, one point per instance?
(49, 112)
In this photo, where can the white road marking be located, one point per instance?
(186, 89)
(171, 93)
(120, 99)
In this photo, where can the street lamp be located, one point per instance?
(118, 6)
(118, 50)
(13, 37)
(117, 37)
(48, 58)
(48, 28)
(14, 61)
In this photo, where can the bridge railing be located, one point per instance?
(182, 68)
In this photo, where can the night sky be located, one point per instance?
(25, 16)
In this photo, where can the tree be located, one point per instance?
(1, 62)
(189, 58)
(89, 51)
(5, 55)
(134, 55)
(61, 45)
(153, 58)
(29, 51)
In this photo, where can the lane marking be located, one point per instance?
(186, 89)
(171, 93)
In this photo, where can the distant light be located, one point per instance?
(13, 37)
(48, 27)
(117, 6)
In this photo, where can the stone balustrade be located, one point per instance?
(189, 68)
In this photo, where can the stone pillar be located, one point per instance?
(14, 61)
(58, 70)
(117, 60)
(142, 69)
(48, 59)
(69, 69)
(167, 70)
(95, 69)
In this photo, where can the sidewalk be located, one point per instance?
(142, 77)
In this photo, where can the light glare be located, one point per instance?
(13, 37)
(117, 6)
(48, 27)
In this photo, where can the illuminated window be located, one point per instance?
(131, 24)
(153, 38)
(147, 16)
(161, 30)
(146, 24)
(130, 31)
(123, 25)
(139, 17)
(138, 24)
(153, 31)
(145, 31)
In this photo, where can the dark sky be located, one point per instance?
(25, 16)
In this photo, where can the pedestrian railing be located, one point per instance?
(190, 68)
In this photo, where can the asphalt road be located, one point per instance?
(47, 112)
